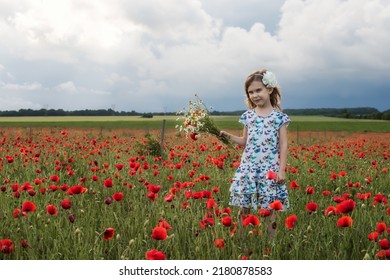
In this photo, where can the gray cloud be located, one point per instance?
(154, 55)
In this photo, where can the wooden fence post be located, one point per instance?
(162, 137)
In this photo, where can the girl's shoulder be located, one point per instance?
(280, 114)
(282, 117)
(247, 115)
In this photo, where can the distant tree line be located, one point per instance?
(61, 112)
(350, 113)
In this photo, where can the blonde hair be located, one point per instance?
(275, 96)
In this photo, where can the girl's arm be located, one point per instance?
(236, 139)
(282, 154)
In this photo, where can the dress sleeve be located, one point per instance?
(244, 118)
(281, 119)
(285, 119)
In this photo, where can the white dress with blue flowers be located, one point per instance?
(250, 188)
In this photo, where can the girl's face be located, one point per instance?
(259, 94)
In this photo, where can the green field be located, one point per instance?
(302, 123)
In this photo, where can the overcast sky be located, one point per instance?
(154, 55)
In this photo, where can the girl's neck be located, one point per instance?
(263, 111)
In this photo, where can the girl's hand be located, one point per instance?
(224, 134)
(281, 177)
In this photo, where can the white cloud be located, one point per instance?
(9, 103)
(67, 87)
(335, 36)
(21, 87)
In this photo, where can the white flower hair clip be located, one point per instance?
(269, 80)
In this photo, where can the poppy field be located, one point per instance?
(80, 194)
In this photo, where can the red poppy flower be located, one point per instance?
(373, 236)
(331, 210)
(345, 221)
(251, 220)
(326, 193)
(309, 190)
(159, 233)
(207, 194)
(290, 221)
(311, 207)
(271, 175)
(219, 243)
(108, 233)
(194, 136)
(346, 206)
(94, 178)
(294, 185)
(364, 196)
(28, 206)
(208, 222)
(383, 254)
(384, 244)
(155, 255)
(51, 210)
(276, 205)
(169, 197)
(338, 199)
(380, 227)
(188, 194)
(197, 195)
(24, 244)
(264, 212)
(211, 203)
(154, 189)
(119, 166)
(37, 181)
(107, 183)
(380, 198)
(164, 224)
(53, 188)
(65, 204)
(9, 159)
(76, 190)
(185, 205)
(368, 180)
(233, 230)
(6, 246)
(342, 173)
(227, 221)
(54, 178)
(118, 196)
(152, 196)
(17, 212)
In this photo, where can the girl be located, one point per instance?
(265, 141)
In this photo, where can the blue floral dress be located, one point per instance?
(249, 188)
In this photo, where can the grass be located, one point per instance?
(299, 123)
